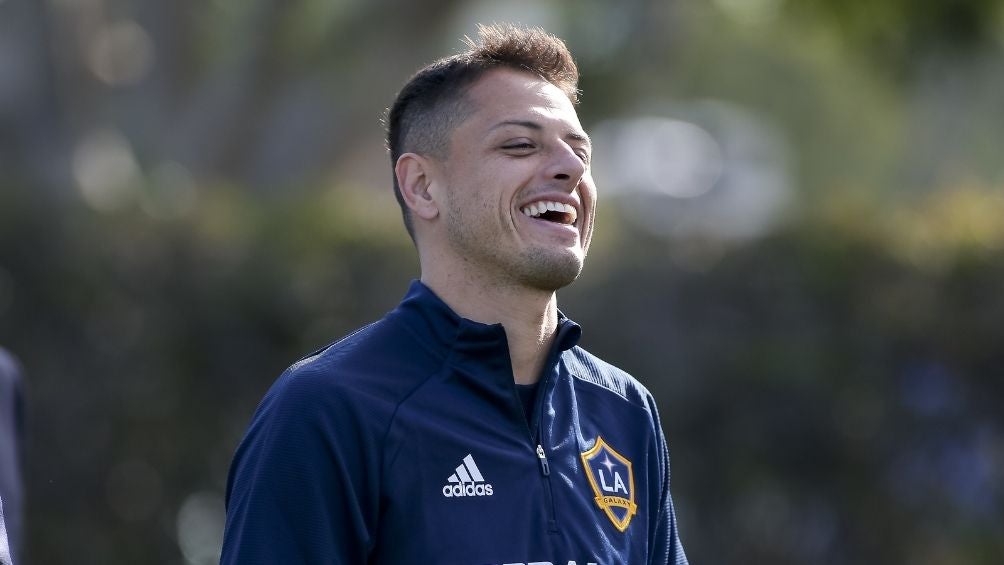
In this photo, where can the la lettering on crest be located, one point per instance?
(618, 485)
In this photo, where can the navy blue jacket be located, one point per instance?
(407, 443)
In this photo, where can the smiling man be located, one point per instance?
(466, 427)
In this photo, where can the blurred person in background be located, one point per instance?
(466, 426)
(5, 557)
(10, 457)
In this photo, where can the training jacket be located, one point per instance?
(406, 443)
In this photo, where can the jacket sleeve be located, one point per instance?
(303, 484)
(666, 546)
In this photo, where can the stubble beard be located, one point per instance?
(537, 268)
(547, 270)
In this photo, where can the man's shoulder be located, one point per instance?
(587, 367)
(380, 360)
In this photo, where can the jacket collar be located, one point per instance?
(443, 331)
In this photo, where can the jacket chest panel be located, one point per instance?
(607, 481)
(469, 478)
(465, 486)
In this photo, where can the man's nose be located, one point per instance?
(565, 165)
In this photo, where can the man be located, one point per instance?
(10, 457)
(466, 427)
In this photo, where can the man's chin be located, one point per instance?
(548, 272)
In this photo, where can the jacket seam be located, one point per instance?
(397, 407)
(615, 392)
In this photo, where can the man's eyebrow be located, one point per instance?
(579, 136)
(573, 135)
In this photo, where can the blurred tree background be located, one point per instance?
(800, 250)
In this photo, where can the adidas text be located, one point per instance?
(451, 491)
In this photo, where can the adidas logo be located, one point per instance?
(467, 481)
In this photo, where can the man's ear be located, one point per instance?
(415, 175)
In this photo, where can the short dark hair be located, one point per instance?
(433, 102)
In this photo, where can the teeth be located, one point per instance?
(537, 208)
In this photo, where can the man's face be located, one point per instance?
(519, 197)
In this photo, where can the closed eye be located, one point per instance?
(523, 145)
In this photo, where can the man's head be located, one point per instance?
(434, 101)
(480, 142)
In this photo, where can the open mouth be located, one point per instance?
(557, 212)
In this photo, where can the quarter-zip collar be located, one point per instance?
(470, 343)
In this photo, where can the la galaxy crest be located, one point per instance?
(612, 480)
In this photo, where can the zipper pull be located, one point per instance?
(544, 467)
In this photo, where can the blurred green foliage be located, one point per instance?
(897, 34)
(172, 236)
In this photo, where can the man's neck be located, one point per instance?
(529, 316)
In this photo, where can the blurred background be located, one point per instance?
(800, 251)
